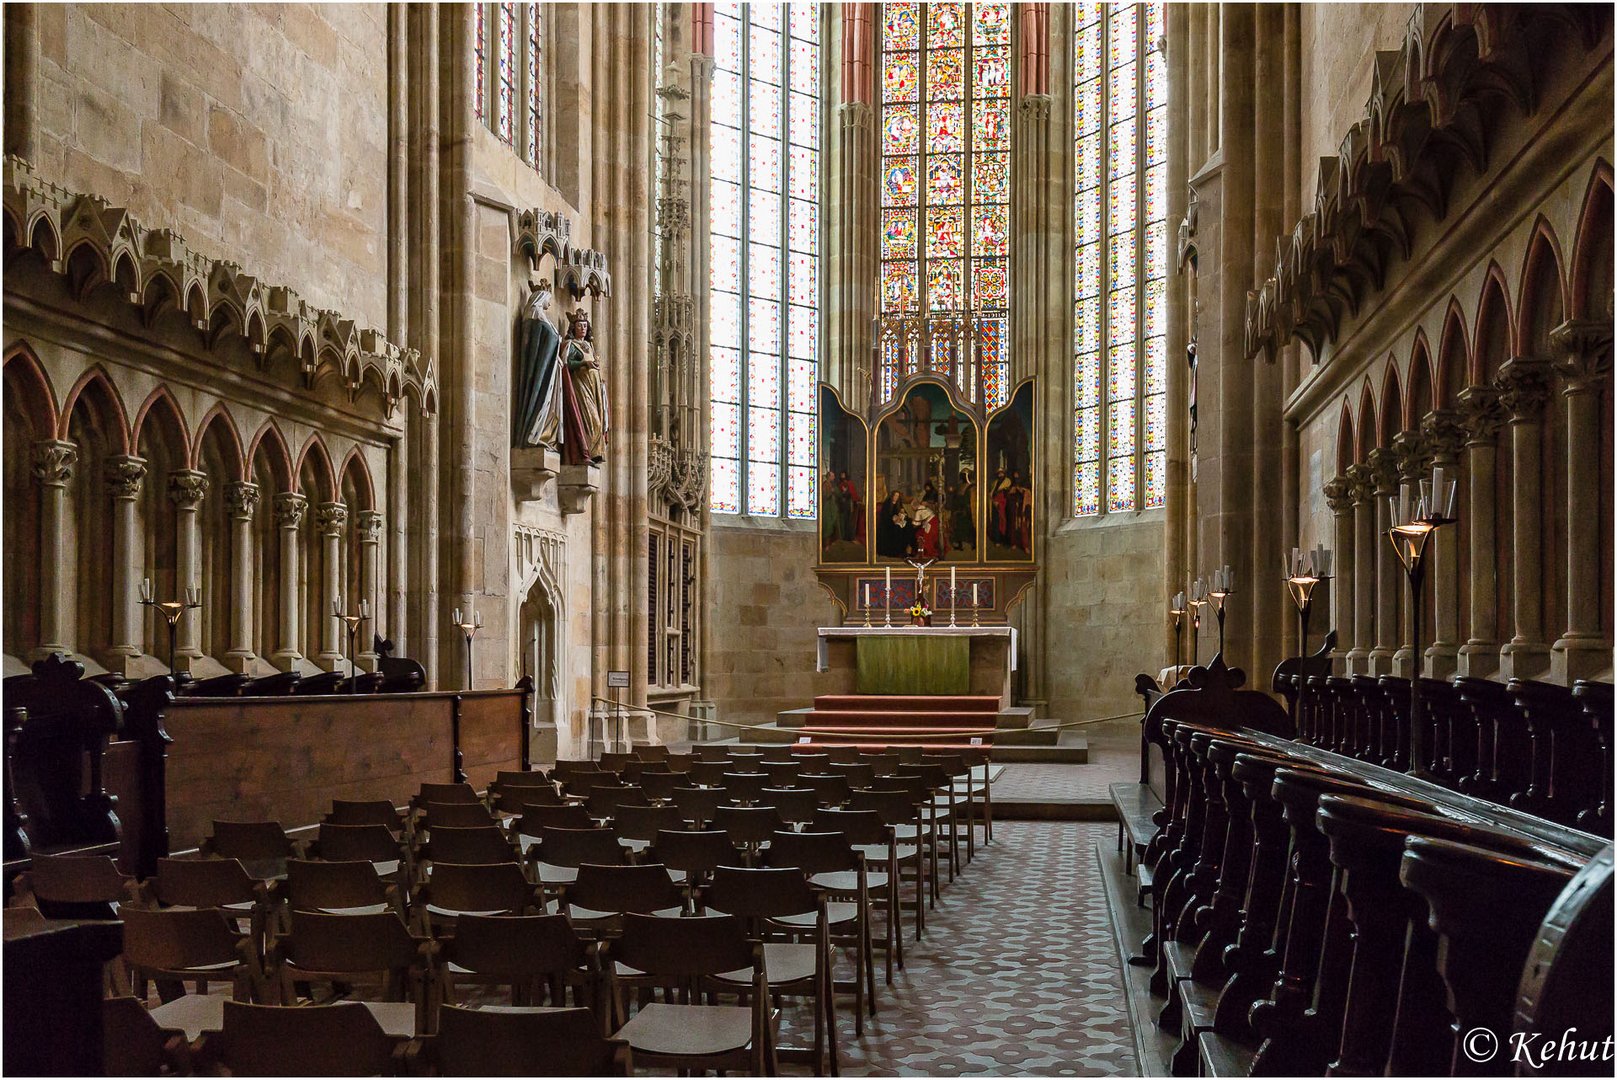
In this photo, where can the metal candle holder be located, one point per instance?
(468, 626)
(1198, 600)
(1410, 534)
(1303, 571)
(171, 610)
(1222, 585)
(352, 623)
(1176, 608)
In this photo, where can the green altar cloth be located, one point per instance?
(913, 663)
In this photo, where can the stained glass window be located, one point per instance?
(509, 97)
(1121, 258)
(506, 80)
(535, 55)
(765, 266)
(945, 191)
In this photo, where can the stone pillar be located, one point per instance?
(1339, 494)
(1483, 414)
(1445, 436)
(1585, 362)
(1362, 491)
(186, 489)
(1389, 571)
(1524, 385)
(369, 524)
(123, 475)
(331, 519)
(1413, 463)
(289, 511)
(241, 499)
(53, 465)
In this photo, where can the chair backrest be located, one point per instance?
(812, 852)
(446, 793)
(615, 762)
(583, 781)
(203, 883)
(841, 755)
(859, 826)
(132, 1043)
(575, 847)
(918, 788)
(748, 824)
(311, 886)
(645, 822)
(768, 893)
(76, 879)
(684, 948)
(523, 1042)
(935, 775)
(694, 852)
(479, 887)
(831, 790)
(777, 753)
(374, 843)
(709, 773)
(746, 760)
(795, 805)
(518, 946)
(781, 773)
(745, 785)
(513, 797)
(711, 752)
(605, 799)
(456, 815)
(661, 785)
(343, 1039)
(567, 767)
(860, 775)
(815, 760)
(371, 812)
(566, 816)
(644, 888)
(951, 764)
(349, 944)
(884, 764)
(679, 763)
(505, 778)
(894, 807)
(908, 755)
(485, 844)
(698, 804)
(178, 939)
(651, 752)
(249, 840)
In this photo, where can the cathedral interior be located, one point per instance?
(1103, 512)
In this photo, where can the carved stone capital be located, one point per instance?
(241, 499)
(1524, 387)
(1583, 348)
(1361, 483)
(1384, 471)
(1036, 107)
(54, 460)
(187, 488)
(331, 518)
(1414, 455)
(1339, 494)
(856, 116)
(122, 475)
(289, 509)
(368, 526)
(1444, 432)
(1483, 414)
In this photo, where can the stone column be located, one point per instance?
(1585, 362)
(1414, 462)
(1339, 494)
(53, 465)
(331, 519)
(187, 488)
(1362, 491)
(289, 511)
(241, 500)
(1389, 571)
(1445, 435)
(1524, 385)
(123, 475)
(1483, 414)
(369, 524)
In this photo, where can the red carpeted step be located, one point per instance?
(866, 718)
(972, 703)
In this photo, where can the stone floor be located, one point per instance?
(1113, 757)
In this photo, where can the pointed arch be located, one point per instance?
(1392, 406)
(26, 376)
(1453, 356)
(44, 236)
(1422, 397)
(218, 425)
(1591, 287)
(269, 443)
(1495, 329)
(315, 457)
(162, 399)
(356, 471)
(95, 391)
(85, 268)
(1541, 304)
(1365, 441)
(1347, 450)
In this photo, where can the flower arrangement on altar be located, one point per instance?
(920, 614)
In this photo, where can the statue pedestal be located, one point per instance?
(577, 486)
(532, 467)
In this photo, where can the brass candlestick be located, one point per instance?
(468, 626)
(171, 610)
(352, 623)
(1410, 534)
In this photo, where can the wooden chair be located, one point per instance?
(486, 844)
(779, 908)
(371, 812)
(651, 752)
(698, 804)
(679, 763)
(343, 1039)
(604, 799)
(692, 953)
(796, 805)
(459, 889)
(615, 762)
(598, 898)
(342, 951)
(926, 830)
(223, 884)
(376, 844)
(708, 772)
(658, 787)
(176, 945)
(637, 827)
(534, 820)
(830, 789)
(749, 827)
(250, 841)
(834, 867)
(455, 815)
(691, 856)
(537, 956)
(781, 773)
(840, 755)
(861, 775)
(339, 888)
(561, 852)
(77, 886)
(578, 785)
(745, 787)
(504, 778)
(134, 1044)
(957, 794)
(874, 838)
(445, 793)
(710, 752)
(522, 1042)
(813, 759)
(511, 798)
(885, 764)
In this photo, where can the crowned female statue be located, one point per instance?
(536, 395)
(585, 417)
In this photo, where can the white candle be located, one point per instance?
(887, 589)
(974, 596)
(867, 595)
(952, 602)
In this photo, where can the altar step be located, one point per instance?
(1041, 744)
(1018, 718)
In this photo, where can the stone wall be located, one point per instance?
(1338, 45)
(1105, 619)
(258, 132)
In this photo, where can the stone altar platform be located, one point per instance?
(961, 660)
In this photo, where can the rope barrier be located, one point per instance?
(954, 734)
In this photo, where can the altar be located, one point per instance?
(957, 661)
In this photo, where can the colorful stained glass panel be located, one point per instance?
(946, 74)
(805, 178)
(945, 179)
(945, 25)
(901, 77)
(991, 24)
(803, 226)
(989, 284)
(990, 229)
(945, 284)
(899, 287)
(993, 71)
(899, 182)
(724, 486)
(901, 129)
(902, 25)
(945, 127)
(945, 232)
(991, 177)
(898, 232)
(990, 125)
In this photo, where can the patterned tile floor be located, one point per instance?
(1114, 756)
(1018, 974)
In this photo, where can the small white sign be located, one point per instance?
(975, 741)
(617, 680)
(802, 738)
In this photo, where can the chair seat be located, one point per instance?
(911, 833)
(192, 1014)
(386, 868)
(451, 913)
(636, 846)
(584, 914)
(550, 874)
(847, 881)
(784, 962)
(837, 913)
(688, 1030)
(363, 909)
(877, 853)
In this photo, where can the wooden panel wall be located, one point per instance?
(284, 759)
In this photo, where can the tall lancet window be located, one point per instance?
(765, 324)
(508, 58)
(945, 196)
(1120, 97)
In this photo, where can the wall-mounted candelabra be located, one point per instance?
(468, 626)
(1303, 571)
(1220, 586)
(1176, 608)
